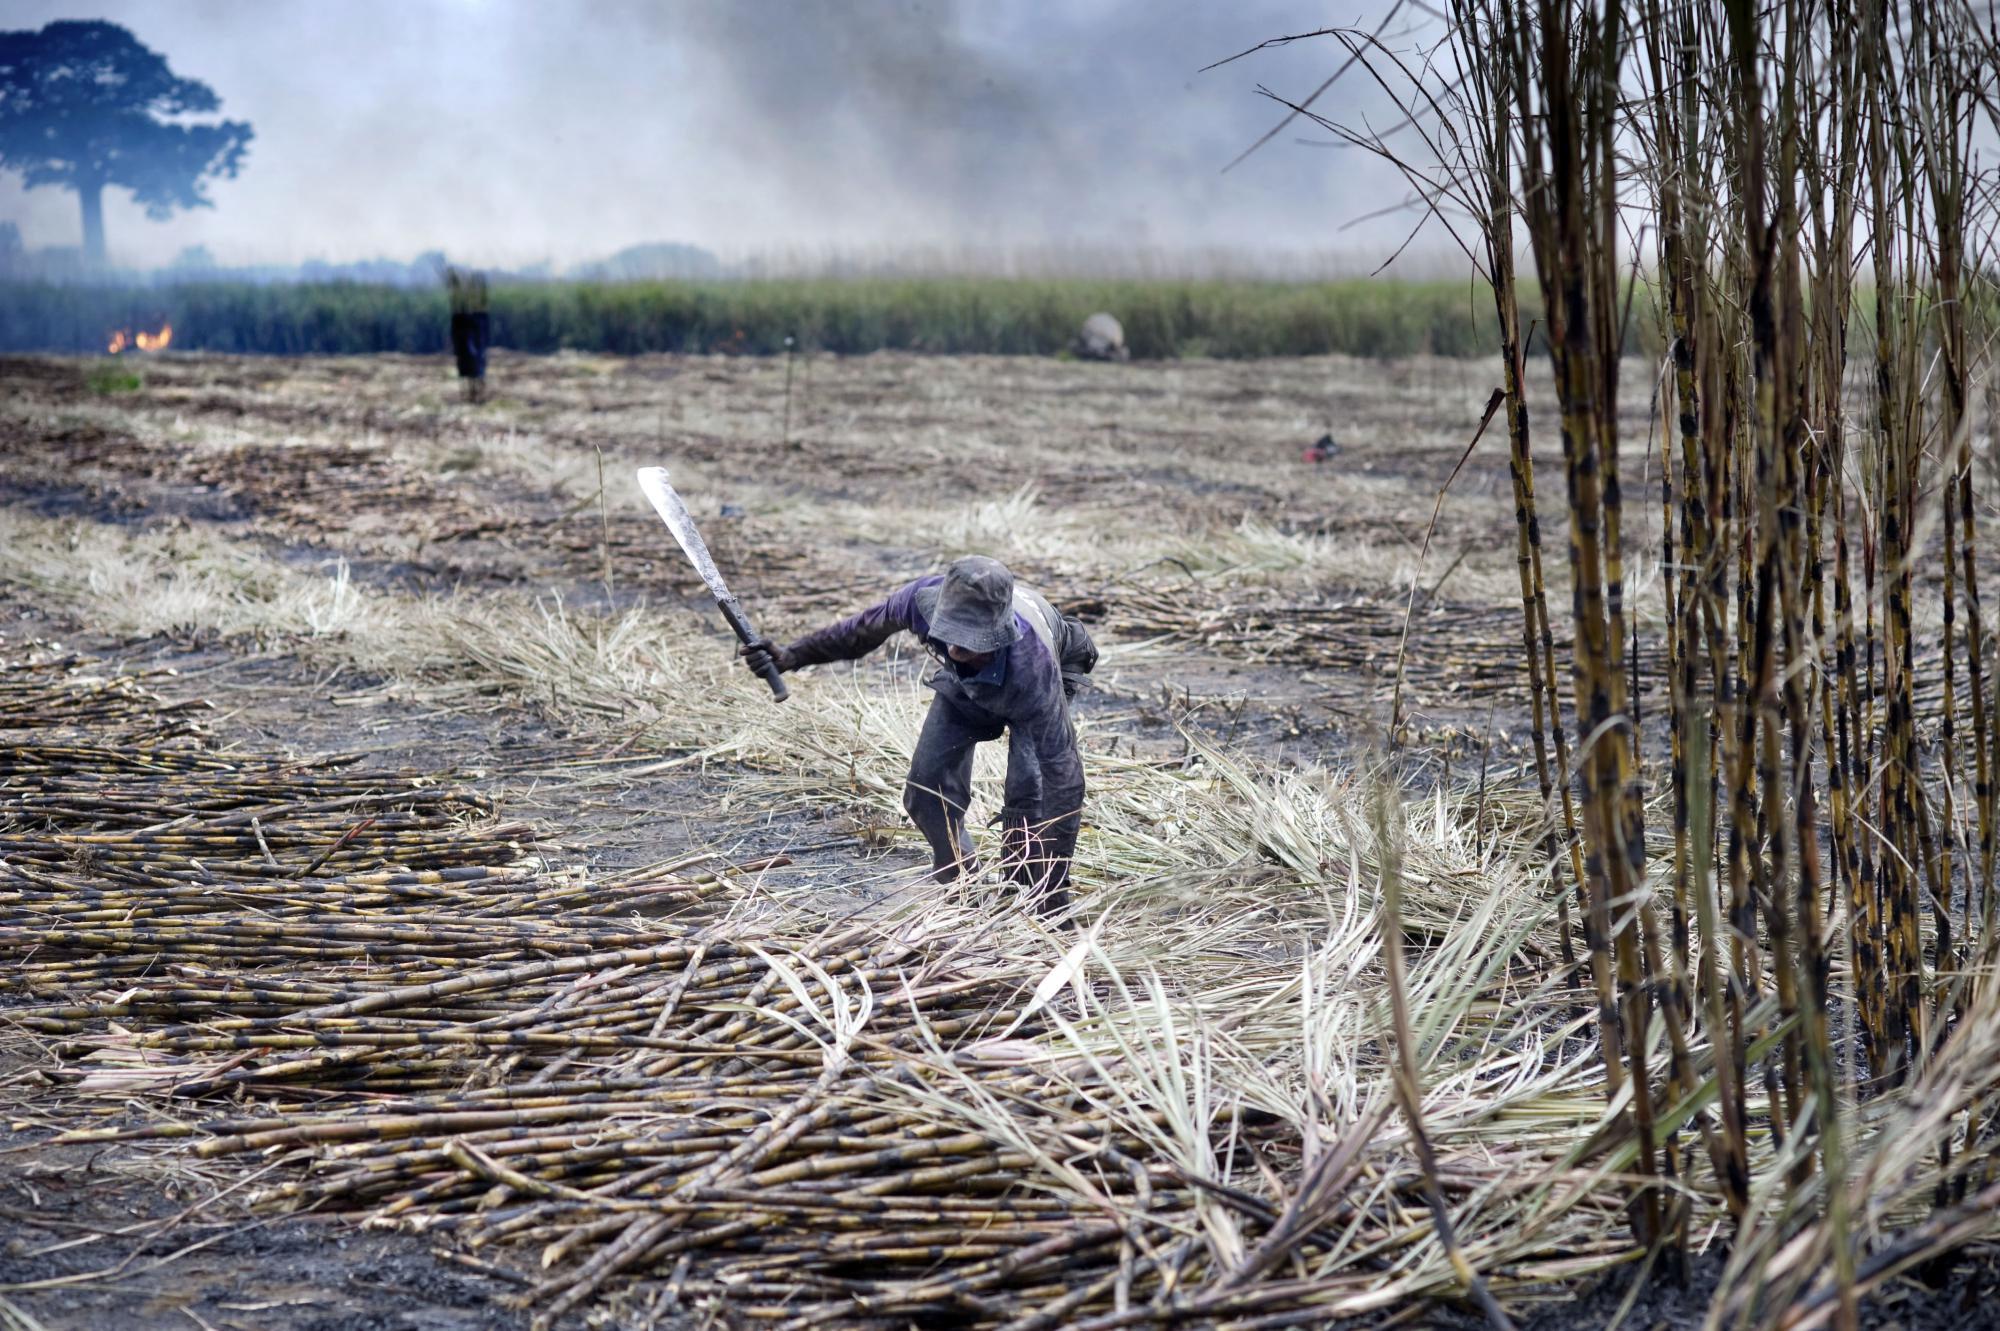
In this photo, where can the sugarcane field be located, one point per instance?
(1360, 699)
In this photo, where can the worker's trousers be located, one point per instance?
(1038, 822)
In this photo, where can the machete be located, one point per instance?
(653, 480)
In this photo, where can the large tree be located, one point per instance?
(83, 106)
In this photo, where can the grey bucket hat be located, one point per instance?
(973, 607)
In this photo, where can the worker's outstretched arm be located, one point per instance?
(851, 638)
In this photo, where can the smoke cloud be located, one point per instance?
(513, 131)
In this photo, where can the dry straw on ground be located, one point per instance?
(935, 1108)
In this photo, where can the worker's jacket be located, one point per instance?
(1025, 688)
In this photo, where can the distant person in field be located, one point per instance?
(471, 329)
(1007, 660)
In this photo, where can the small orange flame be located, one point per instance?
(122, 338)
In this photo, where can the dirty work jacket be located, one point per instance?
(1024, 688)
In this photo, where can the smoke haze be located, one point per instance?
(511, 131)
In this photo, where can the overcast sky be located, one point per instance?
(509, 131)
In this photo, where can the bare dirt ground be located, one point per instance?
(1247, 598)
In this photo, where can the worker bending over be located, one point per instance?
(1007, 660)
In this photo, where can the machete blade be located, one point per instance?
(667, 503)
(673, 511)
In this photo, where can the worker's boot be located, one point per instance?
(949, 869)
(952, 856)
(1052, 904)
(1041, 883)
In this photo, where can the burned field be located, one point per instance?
(415, 917)
(557, 777)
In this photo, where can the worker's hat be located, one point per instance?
(973, 607)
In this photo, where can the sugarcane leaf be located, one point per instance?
(1069, 971)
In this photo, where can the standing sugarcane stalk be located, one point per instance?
(1671, 43)
(1763, 134)
(1940, 104)
(1774, 444)
(1487, 86)
(1902, 864)
(1941, 114)
(1832, 212)
(1564, 75)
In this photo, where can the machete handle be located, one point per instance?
(733, 612)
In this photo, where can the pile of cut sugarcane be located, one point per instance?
(363, 975)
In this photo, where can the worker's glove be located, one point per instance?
(764, 654)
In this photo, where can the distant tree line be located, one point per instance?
(654, 261)
(1162, 319)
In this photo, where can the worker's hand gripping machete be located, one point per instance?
(653, 480)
